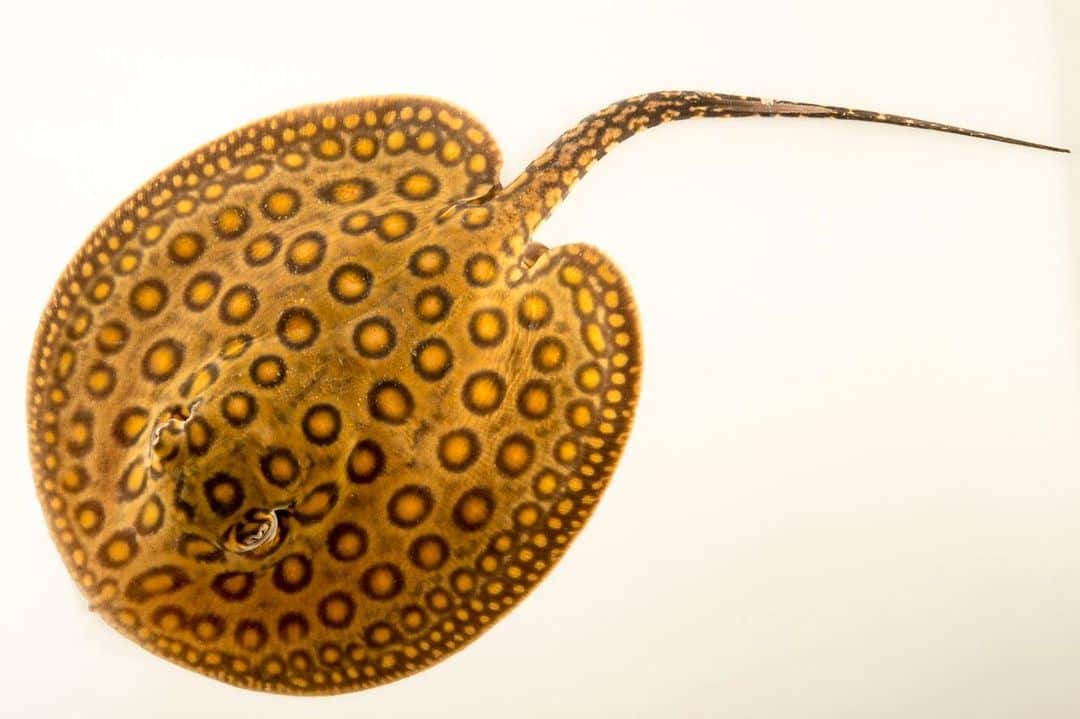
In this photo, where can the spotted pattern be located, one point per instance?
(310, 411)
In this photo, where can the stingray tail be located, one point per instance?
(546, 180)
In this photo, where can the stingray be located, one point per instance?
(311, 410)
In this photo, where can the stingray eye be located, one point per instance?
(258, 530)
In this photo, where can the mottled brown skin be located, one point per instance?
(310, 411)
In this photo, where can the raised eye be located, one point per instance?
(259, 529)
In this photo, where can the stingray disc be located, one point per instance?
(308, 413)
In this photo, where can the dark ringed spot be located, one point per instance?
(346, 192)
(231, 222)
(481, 270)
(350, 283)
(271, 668)
(100, 380)
(151, 516)
(101, 290)
(279, 466)
(476, 217)
(65, 363)
(427, 140)
(58, 396)
(292, 573)
(417, 185)
(169, 618)
(132, 481)
(198, 381)
(487, 327)
(580, 414)
(410, 505)
(364, 147)
(549, 354)
(536, 399)
(261, 250)
(432, 304)
(81, 433)
(515, 455)
(347, 541)
(380, 634)
(201, 291)
(81, 321)
(119, 549)
(224, 494)
(127, 262)
(300, 661)
(390, 401)
(207, 627)
(73, 479)
(186, 247)
(432, 358)
(396, 142)
(148, 298)
(199, 548)
(366, 462)
(329, 147)
(297, 328)
(458, 449)
(238, 305)
(112, 337)
(156, 582)
(534, 310)
(413, 618)
(317, 504)
(281, 203)
(463, 581)
(234, 586)
(451, 152)
(488, 563)
(357, 223)
(374, 337)
(589, 377)
(129, 425)
(382, 581)
(162, 360)
(330, 654)
(429, 552)
(305, 253)
(239, 408)
(473, 509)
(336, 610)
(199, 434)
(89, 516)
(251, 634)
(437, 600)
(528, 514)
(293, 627)
(322, 424)
(483, 392)
(268, 371)
(395, 225)
(429, 261)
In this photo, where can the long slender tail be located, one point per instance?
(544, 183)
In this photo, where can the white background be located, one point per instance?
(853, 489)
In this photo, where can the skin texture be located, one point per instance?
(311, 411)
